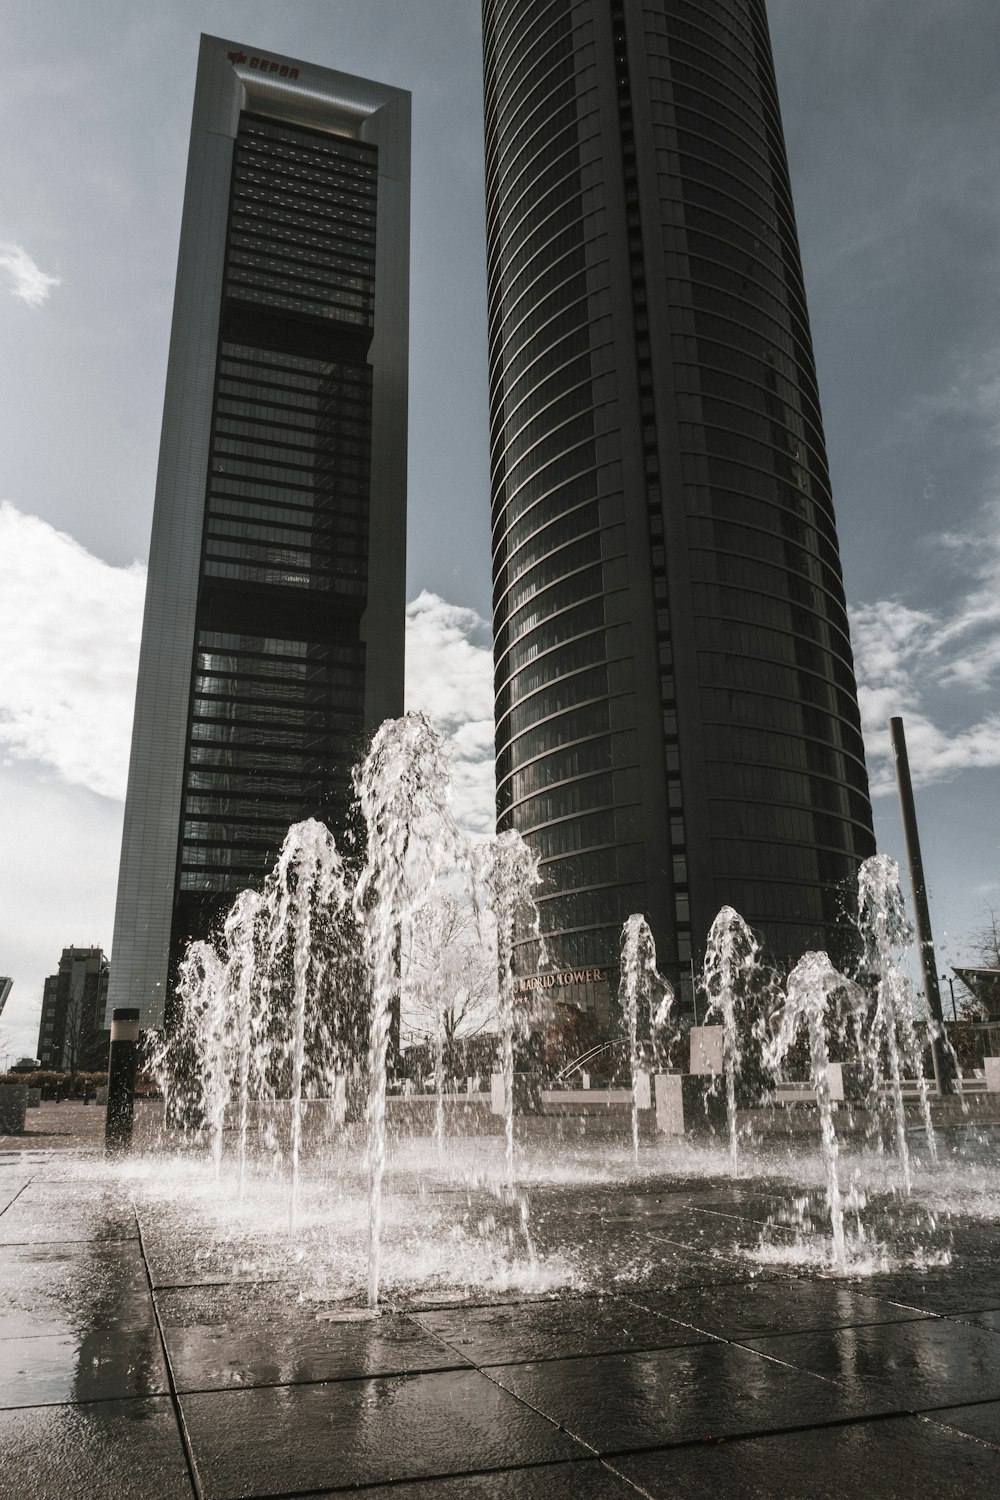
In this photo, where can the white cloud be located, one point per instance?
(449, 674)
(69, 642)
(59, 848)
(69, 639)
(933, 666)
(28, 281)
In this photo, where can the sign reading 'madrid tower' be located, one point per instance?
(272, 639)
(677, 716)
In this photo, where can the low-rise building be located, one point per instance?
(71, 1035)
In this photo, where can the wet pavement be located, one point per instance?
(673, 1335)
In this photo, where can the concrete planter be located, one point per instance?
(13, 1103)
(527, 1094)
(686, 1104)
(706, 1051)
(847, 1082)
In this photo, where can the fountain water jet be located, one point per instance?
(731, 966)
(640, 979)
(811, 991)
(508, 874)
(203, 1036)
(241, 981)
(884, 930)
(307, 889)
(403, 788)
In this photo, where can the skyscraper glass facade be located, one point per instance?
(677, 721)
(289, 344)
(276, 719)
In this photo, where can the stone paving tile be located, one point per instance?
(622, 1401)
(760, 1308)
(218, 1338)
(587, 1479)
(553, 1330)
(105, 1364)
(680, 1248)
(10, 1189)
(989, 1320)
(893, 1459)
(22, 1158)
(981, 1421)
(311, 1437)
(677, 1223)
(108, 1450)
(914, 1365)
(213, 1260)
(753, 1209)
(70, 1289)
(37, 1218)
(949, 1290)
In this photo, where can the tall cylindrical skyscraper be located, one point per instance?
(677, 718)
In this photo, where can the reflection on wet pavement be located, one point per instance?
(676, 1334)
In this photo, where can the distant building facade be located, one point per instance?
(676, 706)
(272, 640)
(71, 1033)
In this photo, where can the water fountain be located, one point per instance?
(640, 980)
(729, 980)
(305, 899)
(241, 981)
(891, 1039)
(811, 993)
(507, 874)
(403, 788)
(305, 974)
(199, 1053)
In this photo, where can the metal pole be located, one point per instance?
(944, 1067)
(122, 1064)
(951, 986)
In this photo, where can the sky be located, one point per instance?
(892, 122)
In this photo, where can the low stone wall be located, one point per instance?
(684, 1104)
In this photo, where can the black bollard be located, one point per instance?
(122, 1064)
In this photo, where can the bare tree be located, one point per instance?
(6, 1049)
(985, 945)
(449, 978)
(75, 1026)
(986, 941)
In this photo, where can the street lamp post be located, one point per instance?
(951, 986)
(944, 1064)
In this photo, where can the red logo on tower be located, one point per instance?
(263, 64)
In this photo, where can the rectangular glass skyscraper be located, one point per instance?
(273, 633)
(677, 717)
